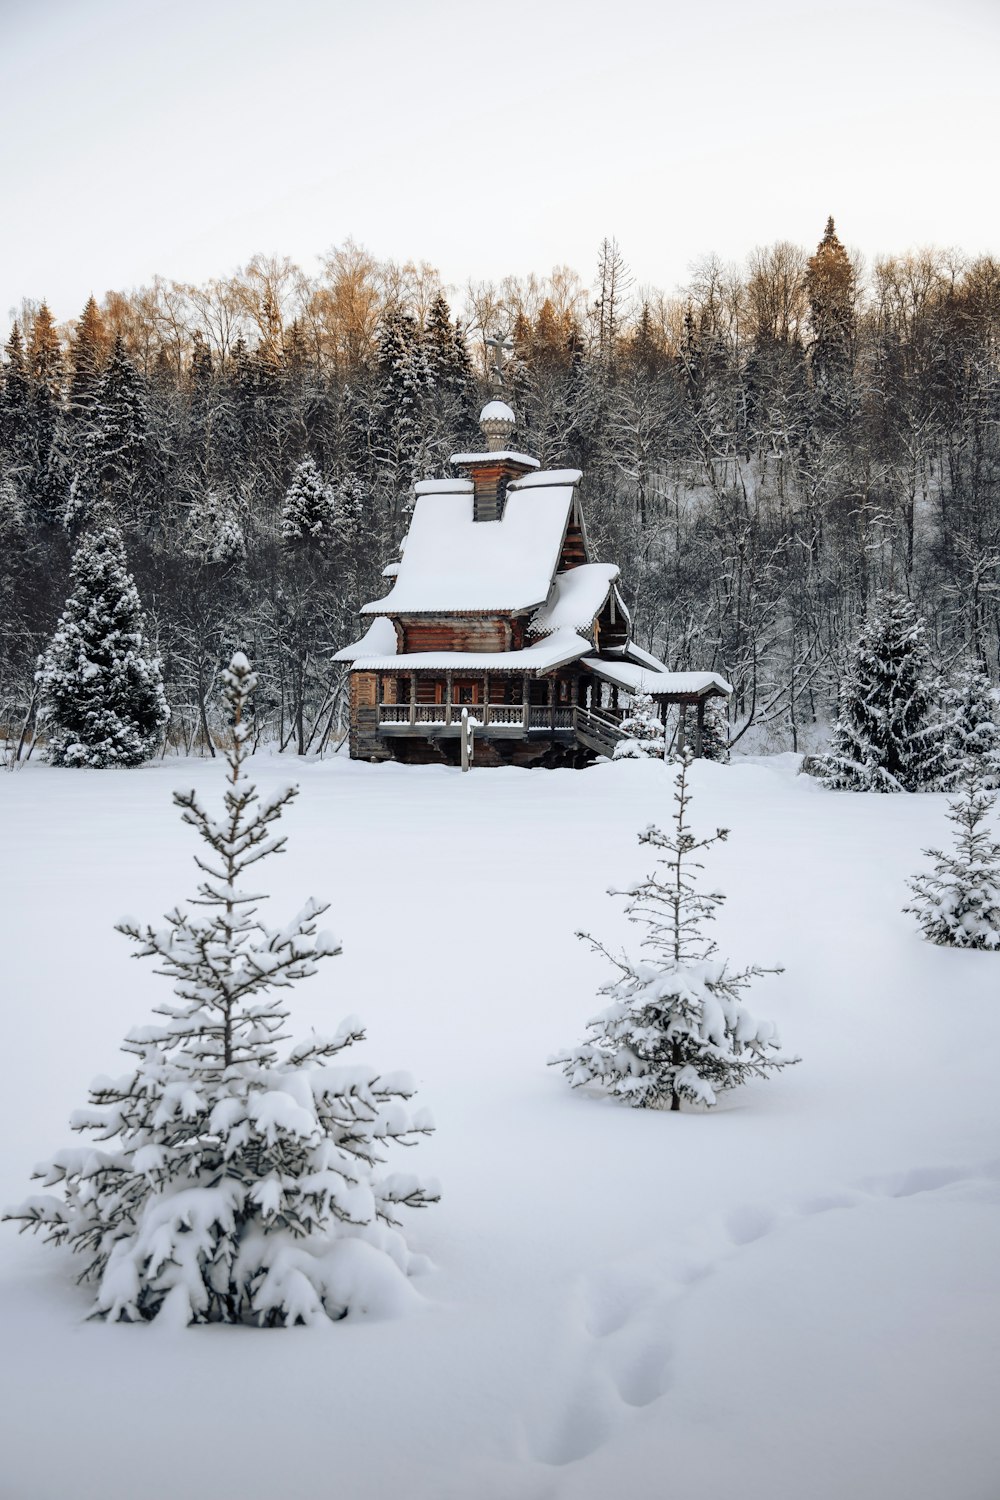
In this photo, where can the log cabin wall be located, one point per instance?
(612, 627)
(365, 743)
(486, 633)
(574, 552)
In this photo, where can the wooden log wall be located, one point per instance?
(485, 633)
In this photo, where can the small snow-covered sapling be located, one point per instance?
(957, 903)
(229, 1179)
(676, 1027)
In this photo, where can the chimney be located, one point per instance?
(492, 471)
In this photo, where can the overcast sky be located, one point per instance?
(183, 136)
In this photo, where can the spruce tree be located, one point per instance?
(87, 355)
(958, 902)
(889, 734)
(642, 731)
(16, 406)
(831, 286)
(233, 1180)
(213, 533)
(118, 454)
(45, 375)
(715, 731)
(676, 1027)
(307, 514)
(969, 712)
(101, 700)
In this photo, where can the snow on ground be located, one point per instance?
(795, 1295)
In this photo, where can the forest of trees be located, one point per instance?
(761, 455)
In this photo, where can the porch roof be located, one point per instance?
(635, 678)
(555, 651)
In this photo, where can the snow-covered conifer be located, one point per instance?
(676, 1027)
(214, 533)
(969, 711)
(715, 731)
(889, 736)
(307, 514)
(101, 700)
(231, 1179)
(642, 731)
(958, 902)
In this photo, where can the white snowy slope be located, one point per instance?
(793, 1296)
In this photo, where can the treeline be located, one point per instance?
(761, 454)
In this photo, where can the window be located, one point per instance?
(465, 692)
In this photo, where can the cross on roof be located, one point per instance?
(500, 345)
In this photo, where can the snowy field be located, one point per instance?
(796, 1295)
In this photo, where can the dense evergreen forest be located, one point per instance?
(761, 454)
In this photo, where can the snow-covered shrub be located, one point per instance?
(100, 693)
(642, 731)
(889, 736)
(969, 712)
(232, 1180)
(676, 1027)
(958, 902)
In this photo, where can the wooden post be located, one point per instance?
(552, 705)
(682, 729)
(486, 699)
(448, 677)
(699, 729)
(413, 697)
(466, 740)
(526, 701)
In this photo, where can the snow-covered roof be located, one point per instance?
(453, 564)
(545, 477)
(635, 678)
(554, 651)
(390, 570)
(495, 458)
(632, 652)
(378, 640)
(577, 598)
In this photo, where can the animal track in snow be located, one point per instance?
(749, 1222)
(625, 1356)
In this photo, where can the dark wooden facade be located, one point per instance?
(527, 686)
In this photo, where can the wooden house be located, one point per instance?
(496, 607)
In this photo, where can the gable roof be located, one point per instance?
(452, 564)
(576, 599)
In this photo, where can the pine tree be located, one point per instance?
(232, 1181)
(642, 731)
(101, 699)
(307, 514)
(676, 1027)
(969, 711)
(958, 903)
(889, 735)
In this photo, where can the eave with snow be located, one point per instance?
(497, 608)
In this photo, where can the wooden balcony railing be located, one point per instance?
(482, 715)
